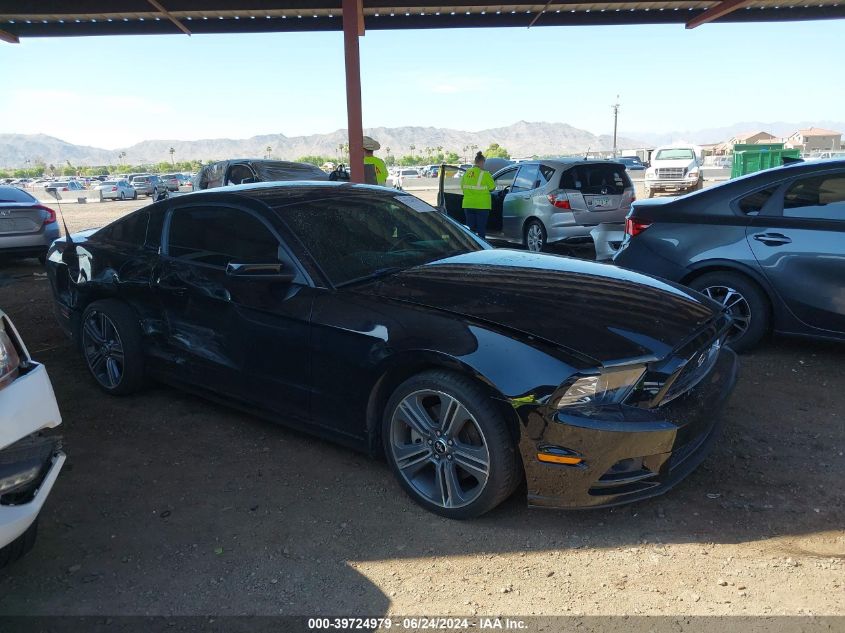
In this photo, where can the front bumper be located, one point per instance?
(671, 185)
(629, 453)
(27, 406)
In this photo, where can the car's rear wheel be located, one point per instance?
(744, 301)
(20, 546)
(448, 444)
(111, 345)
(102, 199)
(534, 236)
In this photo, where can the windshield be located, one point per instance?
(355, 239)
(140, 179)
(675, 154)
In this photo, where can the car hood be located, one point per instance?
(598, 311)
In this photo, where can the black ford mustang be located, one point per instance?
(364, 315)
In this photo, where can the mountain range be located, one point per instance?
(520, 139)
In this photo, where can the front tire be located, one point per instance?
(744, 300)
(135, 195)
(111, 345)
(448, 445)
(122, 196)
(534, 236)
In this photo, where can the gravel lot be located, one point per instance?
(171, 505)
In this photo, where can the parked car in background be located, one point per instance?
(30, 461)
(673, 170)
(172, 181)
(116, 190)
(65, 186)
(632, 163)
(770, 247)
(541, 202)
(247, 170)
(27, 227)
(149, 185)
(404, 174)
(365, 315)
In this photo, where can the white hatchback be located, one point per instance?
(30, 461)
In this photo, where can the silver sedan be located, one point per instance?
(116, 190)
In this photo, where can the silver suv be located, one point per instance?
(540, 202)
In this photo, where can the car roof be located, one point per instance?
(285, 192)
(565, 162)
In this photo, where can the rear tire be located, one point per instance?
(448, 445)
(20, 546)
(534, 236)
(110, 338)
(746, 302)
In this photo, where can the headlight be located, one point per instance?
(9, 360)
(651, 175)
(609, 387)
(693, 175)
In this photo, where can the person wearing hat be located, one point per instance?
(370, 146)
(477, 184)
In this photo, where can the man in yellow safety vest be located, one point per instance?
(477, 185)
(370, 146)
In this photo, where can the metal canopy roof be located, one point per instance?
(55, 18)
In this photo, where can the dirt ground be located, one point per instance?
(171, 505)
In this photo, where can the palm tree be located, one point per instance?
(121, 156)
(269, 151)
(172, 151)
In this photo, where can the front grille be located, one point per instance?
(670, 173)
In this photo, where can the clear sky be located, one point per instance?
(114, 91)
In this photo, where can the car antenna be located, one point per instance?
(53, 191)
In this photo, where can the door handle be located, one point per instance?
(772, 239)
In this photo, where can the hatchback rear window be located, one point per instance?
(596, 179)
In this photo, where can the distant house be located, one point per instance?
(814, 139)
(747, 138)
(753, 138)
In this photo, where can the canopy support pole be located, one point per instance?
(353, 28)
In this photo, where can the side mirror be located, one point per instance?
(275, 272)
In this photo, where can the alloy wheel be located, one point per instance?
(103, 349)
(534, 238)
(735, 304)
(439, 449)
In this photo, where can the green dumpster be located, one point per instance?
(750, 158)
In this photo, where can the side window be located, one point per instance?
(527, 178)
(753, 203)
(546, 174)
(505, 179)
(219, 235)
(129, 230)
(818, 197)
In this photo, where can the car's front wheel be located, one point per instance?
(535, 236)
(111, 344)
(743, 300)
(135, 195)
(448, 444)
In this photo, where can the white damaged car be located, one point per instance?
(30, 461)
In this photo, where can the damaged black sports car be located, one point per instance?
(364, 315)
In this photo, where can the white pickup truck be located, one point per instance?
(674, 170)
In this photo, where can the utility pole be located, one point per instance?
(615, 107)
